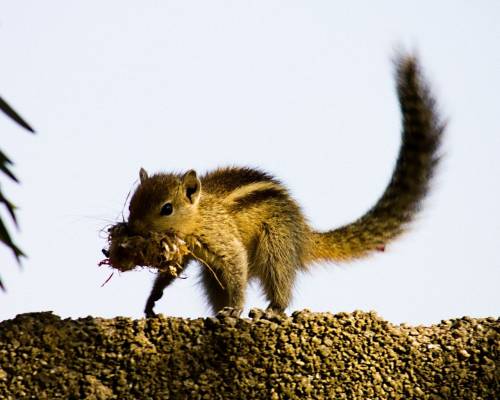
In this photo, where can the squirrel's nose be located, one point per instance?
(105, 252)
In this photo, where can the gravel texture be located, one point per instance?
(304, 356)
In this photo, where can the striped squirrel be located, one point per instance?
(250, 227)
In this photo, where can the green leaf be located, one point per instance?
(9, 111)
(4, 167)
(11, 208)
(4, 161)
(6, 239)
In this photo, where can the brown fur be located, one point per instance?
(248, 225)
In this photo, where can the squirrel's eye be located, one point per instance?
(166, 209)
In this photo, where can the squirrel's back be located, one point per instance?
(258, 203)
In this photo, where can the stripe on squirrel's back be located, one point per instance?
(225, 180)
(258, 196)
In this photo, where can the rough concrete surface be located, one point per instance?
(305, 356)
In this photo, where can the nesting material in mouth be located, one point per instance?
(161, 251)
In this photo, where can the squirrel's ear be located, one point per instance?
(192, 186)
(143, 175)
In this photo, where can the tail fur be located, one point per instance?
(415, 166)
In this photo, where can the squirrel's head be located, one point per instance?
(164, 202)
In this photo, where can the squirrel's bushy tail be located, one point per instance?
(402, 199)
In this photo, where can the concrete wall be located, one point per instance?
(307, 355)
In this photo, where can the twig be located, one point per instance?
(107, 280)
(210, 268)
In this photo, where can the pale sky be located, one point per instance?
(302, 89)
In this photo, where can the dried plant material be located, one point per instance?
(109, 277)
(162, 251)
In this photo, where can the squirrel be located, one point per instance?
(250, 226)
